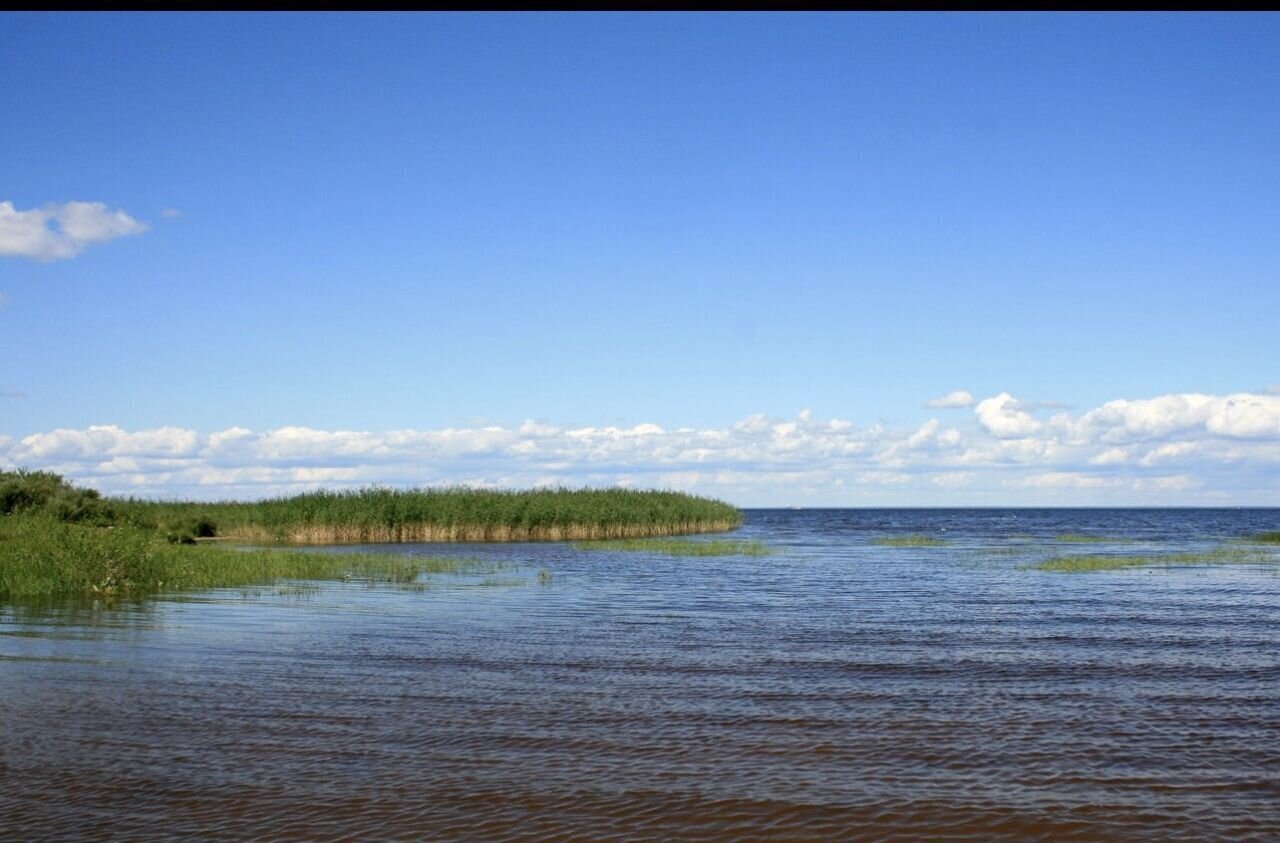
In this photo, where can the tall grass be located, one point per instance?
(382, 515)
(56, 538)
(40, 556)
(388, 515)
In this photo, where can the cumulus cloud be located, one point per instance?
(1184, 449)
(952, 400)
(1240, 415)
(106, 441)
(1005, 417)
(57, 231)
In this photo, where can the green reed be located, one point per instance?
(56, 538)
(379, 509)
(41, 556)
(379, 514)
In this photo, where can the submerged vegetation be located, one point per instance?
(1106, 562)
(909, 541)
(1266, 538)
(681, 547)
(57, 538)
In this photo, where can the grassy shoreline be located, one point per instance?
(56, 538)
(40, 557)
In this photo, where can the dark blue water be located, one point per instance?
(835, 689)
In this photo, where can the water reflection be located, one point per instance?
(110, 611)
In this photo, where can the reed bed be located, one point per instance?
(447, 515)
(420, 532)
(56, 538)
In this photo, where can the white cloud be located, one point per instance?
(170, 213)
(1065, 480)
(102, 441)
(1111, 456)
(1183, 449)
(1167, 483)
(1128, 421)
(1004, 417)
(1169, 452)
(1240, 415)
(61, 230)
(1247, 416)
(883, 478)
(952, 400)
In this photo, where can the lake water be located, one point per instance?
(836, 689)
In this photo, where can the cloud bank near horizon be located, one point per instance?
(61, 230)
(1181, 449)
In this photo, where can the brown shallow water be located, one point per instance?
(834, 690)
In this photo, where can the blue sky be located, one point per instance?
(429, 223)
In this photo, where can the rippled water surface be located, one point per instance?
(835, 689)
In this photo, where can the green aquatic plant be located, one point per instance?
(380, 515)
(680, 547)
(1108, 562)
(1266, 538)
(1082, 538)
(41, 556)
(392, 515)
(909, 541)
